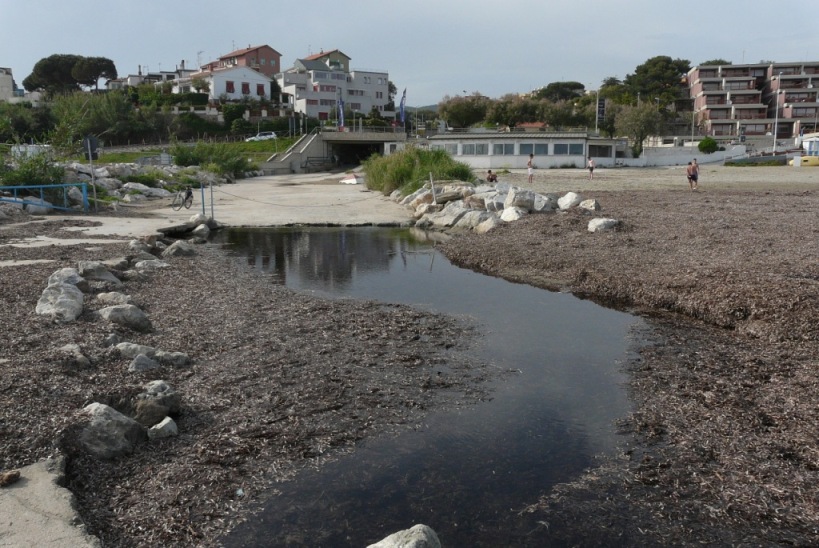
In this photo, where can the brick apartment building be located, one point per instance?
(755, 99)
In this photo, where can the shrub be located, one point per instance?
(34, 170)
(410, 168)
(150, 179)
(708, 146)
(216, 157)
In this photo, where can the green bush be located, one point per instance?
(34, 170)
(148, 179)
(219, 158)
(708, 146)
(410, 168)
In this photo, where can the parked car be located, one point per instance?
(262, 136)
(807, 161)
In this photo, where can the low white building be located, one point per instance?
(485, 149)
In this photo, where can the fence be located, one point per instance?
(23, 195)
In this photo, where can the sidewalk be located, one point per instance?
(281, 200)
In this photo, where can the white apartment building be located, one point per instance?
(317, 83)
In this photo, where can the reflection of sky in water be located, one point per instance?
(541, 426)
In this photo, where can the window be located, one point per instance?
(538, 149)
(503, 149)
(561, 149)
(245, 88)
(481, 149)
(468, 149)
(327, 88)
(355, 106)
(451, 148)
(327, 102)
(262, 61)
(230, 87)
(379, 94)
(260, 90)
(576, 149)
(312, 102)
(320, 76)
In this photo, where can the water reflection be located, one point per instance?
(329, 258)
(466, 472)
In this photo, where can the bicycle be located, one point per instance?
(182, 198)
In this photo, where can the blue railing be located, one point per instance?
(25, 195)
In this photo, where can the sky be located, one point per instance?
(431, 48)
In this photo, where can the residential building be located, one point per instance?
(7, 85)
(10, 93)
(232, 84)
(755, 99)
(263, 59)
(133, 80)
(317, 84)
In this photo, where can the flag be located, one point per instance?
(340, 113)
(403, 102)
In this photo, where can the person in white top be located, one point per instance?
(531, 167)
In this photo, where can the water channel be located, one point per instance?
(466, 473)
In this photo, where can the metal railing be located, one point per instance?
(22, 195)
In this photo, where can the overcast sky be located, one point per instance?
(433, 48)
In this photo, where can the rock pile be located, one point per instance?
(455, 205)
(107, 431)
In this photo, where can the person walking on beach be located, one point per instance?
(695, 174)
(590, 165)
(530, 166)
(689, 173)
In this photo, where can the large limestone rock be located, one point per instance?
(108, 433)
(519, 197)
(179, 248)
(114, 297)
(156, 402)
(61, 302)
(569, 200)
(131, 350)
(95, 270)
(142, 363)
(590, 205)
(127, 315)
(418, 536)
(150, 265)
(510, 214)
(165, 429)
(602, 224)
(68, 276)
(488, 224)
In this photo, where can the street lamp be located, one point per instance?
(776, 116)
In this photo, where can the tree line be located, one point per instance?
(651, 101)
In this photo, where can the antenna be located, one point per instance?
(199, 58)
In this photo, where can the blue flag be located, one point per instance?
(340, 113)
(403, 102)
